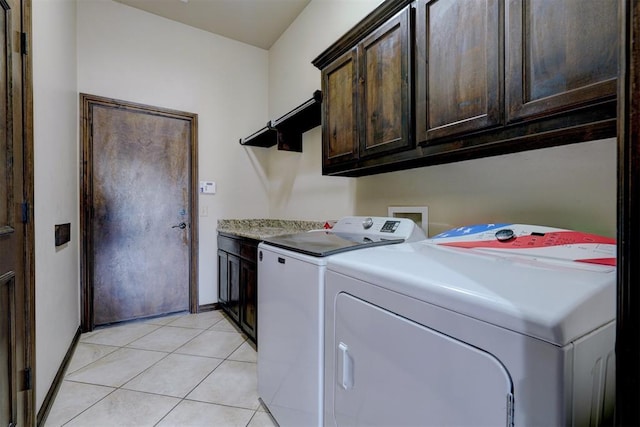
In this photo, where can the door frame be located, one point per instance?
(627, 410)
(29, 227)
(87, 102)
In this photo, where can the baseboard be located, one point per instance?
(57, 382)
(209, 307)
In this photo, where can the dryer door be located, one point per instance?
(391, 371)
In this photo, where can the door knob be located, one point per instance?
(181, 226)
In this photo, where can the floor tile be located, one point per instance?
(86, 353)
(193, 414)
(72, 399)
(224, 325)
(117, 368)
(176, 375)
(118, 335)
(163, 320)
(199, 321)
(244, 353)
(232, 383)
(126, 408)
(166, 338)
(217, 344)
(262, 419)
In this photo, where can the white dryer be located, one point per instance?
(495, 324)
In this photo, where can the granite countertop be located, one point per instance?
(260, 229)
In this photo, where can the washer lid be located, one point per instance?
(550, 299)
(323, 243)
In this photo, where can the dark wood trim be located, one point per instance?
(87, 101)
(595, 123)
(209, 307)
(628, 309)
(28, 188)
(43, 413)
(369, 23)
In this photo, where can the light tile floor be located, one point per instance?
(181, 370)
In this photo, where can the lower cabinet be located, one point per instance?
(237, 281)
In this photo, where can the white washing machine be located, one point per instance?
(291, 272)
(486, 325)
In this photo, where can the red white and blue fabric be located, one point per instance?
(533, 240)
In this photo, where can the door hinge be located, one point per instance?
(24, 44)
(24, 207)
(26, 385)
(510, 406)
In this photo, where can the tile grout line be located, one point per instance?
(180, 399)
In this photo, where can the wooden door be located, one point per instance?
(459, 67)
(16, 327)
(140, 196)
(339, 126)
(560, 55)
(384, 60)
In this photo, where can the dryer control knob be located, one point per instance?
(505, 235)
(367, 223)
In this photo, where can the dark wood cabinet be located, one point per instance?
(367, 98)
(384, 97)
(459, 67)
(489, 77)
(237, 281)
(339, 128)
(249, 306)
(223, 277)
(560, 55)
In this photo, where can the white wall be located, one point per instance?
(128, 54)
(56, 184)
(572, 186)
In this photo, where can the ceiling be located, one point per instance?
(256, 22)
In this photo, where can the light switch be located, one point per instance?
(207, 187)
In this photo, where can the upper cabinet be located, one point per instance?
(560, 55)
(484, 77)
(367, 107)
(459, 67)
(384, 96)
(339, 124)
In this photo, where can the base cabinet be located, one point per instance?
(237, 282)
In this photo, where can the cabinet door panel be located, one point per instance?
(384, 95)
(249, 306)
(560, 55)
(339, 131)
(460, 67)
(223, 278)
(233, 267)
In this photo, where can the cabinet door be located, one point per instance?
(459, 66)
(223, 278)
(560, 55)
(339, 133)
(249, 305)
(233, 272)
(384, 95)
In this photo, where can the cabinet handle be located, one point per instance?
(281, 260)
(361, 80)
(346, 382)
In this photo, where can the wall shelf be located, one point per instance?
(286, 131)
(265, 137)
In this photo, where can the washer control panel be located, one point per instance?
(396, 228)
